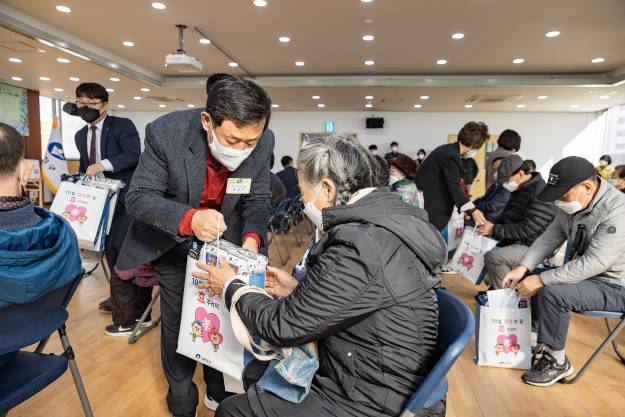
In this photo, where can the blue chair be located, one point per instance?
(612, 334)
(27, 373)
(455, 329)
(279, 225)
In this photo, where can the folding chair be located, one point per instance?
(455, 329)
(612, 334)
(141, 330)
(294, 213)
(278, 225)
(27, 373)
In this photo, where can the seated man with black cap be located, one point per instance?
(591, 220)
(524, 218)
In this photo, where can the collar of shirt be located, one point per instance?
(99, 124)
(213, 162)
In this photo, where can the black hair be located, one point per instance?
(525, 168)
(531, 164)
(394, 143)
(422, 151)
(93, 91)
(11, 149)
(286, 160)
(606, 158)
(239, 100)
(373, 147)
(510, 140)
(473, 134)
(619, 170)
(210, 81)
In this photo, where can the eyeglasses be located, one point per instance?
(80, 104)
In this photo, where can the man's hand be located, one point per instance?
(486, 229)
(529, 286)
(204, 225)
(251, 244)
(513, 277)
(478, 217)
(95, 169)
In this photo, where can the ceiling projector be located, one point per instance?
(180, 61)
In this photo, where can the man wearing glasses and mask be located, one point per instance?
(110, 145)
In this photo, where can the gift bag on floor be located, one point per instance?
(455, 230)
(468, 260)
(205, 331)
(503, 334)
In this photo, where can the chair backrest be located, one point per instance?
(22, 325)
(455, 329)
(281, 208)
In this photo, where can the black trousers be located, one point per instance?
(182, 396)
(129, 301)
(552, 306)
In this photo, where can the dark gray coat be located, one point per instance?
(169, 180)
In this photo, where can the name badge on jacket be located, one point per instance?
(239, 186)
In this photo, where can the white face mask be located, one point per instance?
(314, 214)
(392, 179)
(612, 181)
(603, 163)
(229, 157)
(374, 152)
(570, 207)
(420, 157)
(511, 186)
(470, 154)
(394, 148)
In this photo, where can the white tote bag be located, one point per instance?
(468, 260)
(86, 210)
(205, 331)
(504, 332)
(455, 229)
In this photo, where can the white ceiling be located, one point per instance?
(410, 35)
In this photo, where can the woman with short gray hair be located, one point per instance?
(367, 298)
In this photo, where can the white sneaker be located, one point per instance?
(210, 403)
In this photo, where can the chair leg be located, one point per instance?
(594, 356)
(620, 355)
(105, 268)
(274, 238)
(298, 237)
(41, 346)
(69, 354)
(139, 331)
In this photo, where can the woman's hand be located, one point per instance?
(215, 277)
(279, 283)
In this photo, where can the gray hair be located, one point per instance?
(344, 161)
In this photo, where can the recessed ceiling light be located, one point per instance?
(316, 97)
(42, 78)
(128, 43)
(159, 6)
(368, 105)
(369, 62)
(368, 38)
(137, 98)
(299, 63)
(457, 35)
(120, 106)
(518, 61)
(15, 60)
(424, 97)
(552, 34)
(598, 60)
(417, 106)
(16, 78)
(368, 97)
(542, 97)
(275, 106)
(321, 105)
(574, 106)
(284, 39)
(520, 106)
(190, 105)
(63, 60)
(441, 61)
(233, 64)
(75, 79)
(58, 90)
(114, 79)
(468, 106)
(600, 97)
(366, 1)
(110, 90)
(162, 106)
(63, 9)
(145, 90)
(260, 3)
(205, 41)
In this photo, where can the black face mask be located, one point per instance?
(88, 114)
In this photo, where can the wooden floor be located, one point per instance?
(126, 380)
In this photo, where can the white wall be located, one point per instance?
(546, 136)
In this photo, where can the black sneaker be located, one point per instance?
(106, 306)
(113, 330)
(547, 372)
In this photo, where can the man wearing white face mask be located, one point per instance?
(591, 220)
(204, 173)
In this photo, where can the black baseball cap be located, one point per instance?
(564, 175)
